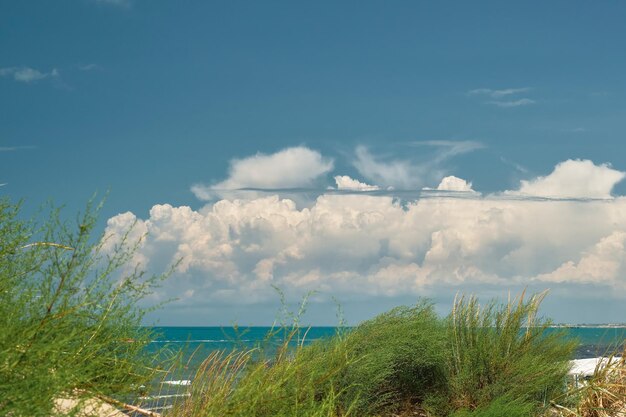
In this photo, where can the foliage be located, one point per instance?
(480, 361)
(500, 407)
(68, 313)
(399, 357)
(502, 351)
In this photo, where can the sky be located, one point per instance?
(369, 153)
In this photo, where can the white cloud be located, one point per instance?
(356, 244)
(574, 179)
(121, 3)
(409, 173)
(26, 74)
(604, 263)
(397, 173)
(452, 183)
(89, 67)
(344, 182)
(449, 148)
(288, 168)
(513, 103)
(497, 94)
(15, 148)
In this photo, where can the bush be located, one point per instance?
(399, 357)
(69, 319)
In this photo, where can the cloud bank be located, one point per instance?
(362, 245)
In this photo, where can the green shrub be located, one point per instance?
(70, 325)
(400, 357)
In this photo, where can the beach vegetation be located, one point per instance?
(481, 360)
(69, 314)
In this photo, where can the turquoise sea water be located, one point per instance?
(200, 341)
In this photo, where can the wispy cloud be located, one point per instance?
(498, 93)
(15, 148)
(451, 147)
(405, 173)
(513, 103)
(89, 67)
(499, 96)
(27, 74)
(574, 130)
(119, 3)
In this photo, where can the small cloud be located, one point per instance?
(15, 148)
(289, 168)
(452, 183)
(119, 3)
(344, 182)
(89, 67)
(405, 173)
(497, 93)
(513, 103)
(27, 74)
(574, 130)
(452, 147)
(519, 167)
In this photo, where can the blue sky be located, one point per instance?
(149, 98)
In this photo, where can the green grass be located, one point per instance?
(479, 361)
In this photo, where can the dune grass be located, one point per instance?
(478, 361)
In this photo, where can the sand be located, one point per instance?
(91, 407)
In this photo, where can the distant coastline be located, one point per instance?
(589, 326)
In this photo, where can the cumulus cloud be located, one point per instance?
(288, 168)
(603, 263)
(26, 74)
(344, 182)
(574, 179)
(357, 244)
(452, 183)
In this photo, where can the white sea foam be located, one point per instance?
(156, 397)
(202, 341)
(177, 382)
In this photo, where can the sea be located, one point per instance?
(194, 344)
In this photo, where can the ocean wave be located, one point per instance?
(203, 341)
(184, 382)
